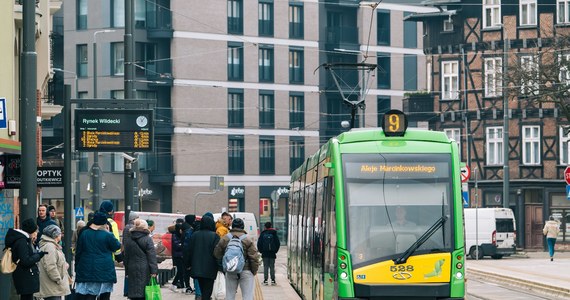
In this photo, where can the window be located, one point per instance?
(266, 109)
(410, 72)
(384, 70)
(83, 162)
(454, 133)
(296, 152)
(265, 19)
(528, 12)
(235, 61)
(529, 82)
(564, 143)
(145, 55)
(531, 145)
(81, 14)
(118, 94)
(562, 10)
(118, 15)
(383, 27)
(494, 145)
(410, 33)
(82, 60)
(118, 58)
(493, 82)
(235, 16)
(428, 76)
(491, 13)
(140, 13)
(384, 105)
(296, 69)
(83, 95)
(266, 155)
(450, 79)
(235, 155)
(118, 163)
(142, 94)
(296, 111)
(564, 63)
(235, 108)
(296, 23)
(448, 25)
(265, 64)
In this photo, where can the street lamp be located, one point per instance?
(95, 169)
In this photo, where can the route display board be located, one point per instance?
(114, 130)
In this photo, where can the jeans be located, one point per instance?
(551, 242)
(197, 290)
(246, 283)
(268, 264)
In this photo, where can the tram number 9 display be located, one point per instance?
(394, 123)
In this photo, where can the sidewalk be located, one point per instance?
(527, 270)
(282, 290)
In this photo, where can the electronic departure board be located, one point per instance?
(114, 130)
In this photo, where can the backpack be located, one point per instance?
(268, 243)
(234, 260)
(8, 265)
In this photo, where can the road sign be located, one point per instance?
(465, 196)
(465, 173)
(79, 213)
(567, 175)
(568, 192)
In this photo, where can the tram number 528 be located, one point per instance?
(402, 268)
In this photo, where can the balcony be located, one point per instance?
(341, 35)
(159, 73)
(159, 24)
(163, 121)
(418, 105)
(161, 169)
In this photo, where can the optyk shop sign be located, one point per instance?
(46, 176)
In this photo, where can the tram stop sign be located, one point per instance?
(567, 175)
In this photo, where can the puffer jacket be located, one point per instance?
(26, 276)
(94, 255)
(551, 229)
(140, 261)
(221, 228)
(250, 250)
(54, 279)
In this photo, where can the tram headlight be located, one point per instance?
(459, 265)
(459, 275)
(342, 265)
(343, 275)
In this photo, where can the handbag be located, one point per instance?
(152, 290)
(71, 295)
(220, 287)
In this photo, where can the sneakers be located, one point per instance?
(273, 282)
(265, 282)
(173, 287)
(189, 291)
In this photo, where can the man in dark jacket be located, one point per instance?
(26, 276)
(43, 221)
(203, 265)
(268, 244)
(189, 220)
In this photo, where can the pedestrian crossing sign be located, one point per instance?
(79, 213)
(568, 192)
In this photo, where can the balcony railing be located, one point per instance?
(415, 103)
(342, 34)
(159, 23)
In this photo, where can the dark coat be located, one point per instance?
(26, 276)
(186, 246)
(177, 244)
(43, 224)
(203, 264)
(94, 256)
(250, 250)
(140, 261)
(275, 246)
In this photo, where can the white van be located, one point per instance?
(496, 235)
(249, 221)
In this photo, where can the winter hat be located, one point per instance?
(52, 231)
(190, 219)
(209, 214)
(150, 223)
(51, 207)
(140, 224)
(238, 224)
(100, 218)
(106, 206)
(180, 221)
(29, 225)
(133, 215)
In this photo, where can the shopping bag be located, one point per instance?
(72, 295)
(220, 287)
(152, 290)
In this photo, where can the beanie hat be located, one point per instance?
(190, 219)
(51, 207)
(133, 215)
(180, 221)
(52, 231)
(29, 225)
(150, 223)
(238, 224)
(209, 214)
(100, 218)
(106, 206)
(140, 224)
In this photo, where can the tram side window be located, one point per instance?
(330, 227)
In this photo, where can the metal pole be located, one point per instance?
(465, 98)
(505, 129)
(28, 114)
(67, 199)
(129, 77)
(476, 213)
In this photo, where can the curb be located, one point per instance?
(545, 289)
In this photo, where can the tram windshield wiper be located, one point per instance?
(421, 240)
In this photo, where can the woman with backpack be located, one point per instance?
(244, 275)
(202, 264)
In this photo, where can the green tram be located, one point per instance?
(378, 214)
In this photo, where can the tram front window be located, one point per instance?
(392, 200)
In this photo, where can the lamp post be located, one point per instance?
(95, 169)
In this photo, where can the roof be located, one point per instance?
(439, 2)
(421, 16)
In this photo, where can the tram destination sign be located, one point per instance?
(114, 130)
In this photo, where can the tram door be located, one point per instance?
(534, 223)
